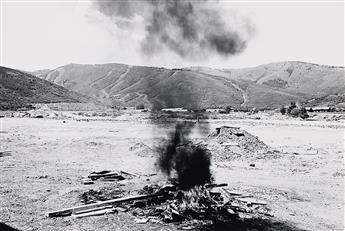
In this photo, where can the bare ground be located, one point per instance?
(304, 186)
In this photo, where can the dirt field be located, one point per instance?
(303, 185)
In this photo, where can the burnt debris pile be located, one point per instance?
(199, 206)
(188, 163)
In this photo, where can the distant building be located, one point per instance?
(212, 110)
(320, 109)
(177, 109)
(240, 109)
(197, 110)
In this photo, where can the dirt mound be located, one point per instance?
(232, 142)
(141, 149)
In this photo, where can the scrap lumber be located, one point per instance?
(216, 185)
(232, 192)
(108, 174)
(252, 201)
(127, 173)
(95, 213)
(93, 209)
(230, 144)
(73, 210)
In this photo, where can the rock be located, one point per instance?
(141, 220)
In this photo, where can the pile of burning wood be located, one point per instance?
(201, 204)
(198, 206)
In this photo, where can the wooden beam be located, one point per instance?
(109, 174)
(93, 209)
(70, 211)
(216, 185)
(95, 213)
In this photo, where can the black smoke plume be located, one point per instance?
(180, 157)
(193, 29)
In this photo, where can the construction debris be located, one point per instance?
(103, 194)
(215, 185)
(109, 176)
(228, 142)
(95, 213)
(193, 208)
(201, 205)
(99, 205)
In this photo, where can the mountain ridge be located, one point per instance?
(19, 90)
(268, 85)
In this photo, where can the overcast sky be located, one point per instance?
(47, 34)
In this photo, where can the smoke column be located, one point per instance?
(193, 29)
(178, 156)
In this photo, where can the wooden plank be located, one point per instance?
(252, 201)
(70, 211)
(96, 175)
(216, 185)
(127, 173)
(93, 209)
(230, 144)
(95, 213)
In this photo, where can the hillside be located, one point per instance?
(19, 89)
(270, 85)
